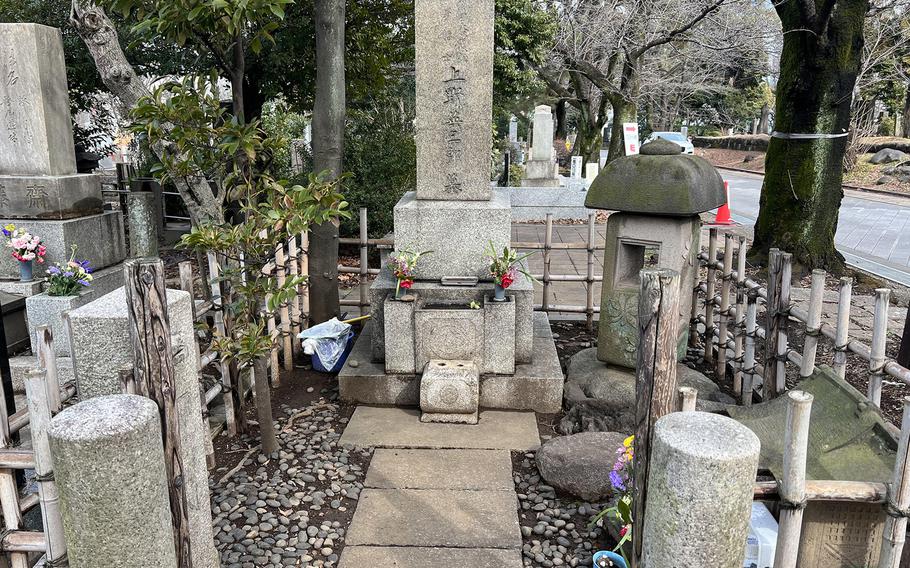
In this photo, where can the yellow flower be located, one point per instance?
(10, 227)
(628, 441)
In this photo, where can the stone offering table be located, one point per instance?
(506, 353)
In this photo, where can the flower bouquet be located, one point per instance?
(403, 264)
(69, 278)
(621, 478)
(26, 249)
(504, 268)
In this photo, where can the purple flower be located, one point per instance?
(6, 232)
(83, 282)
(617, 481)
(69, 273)
(53, 270)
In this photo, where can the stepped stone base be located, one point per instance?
(98, 238)
(535, 386)
(540, 173)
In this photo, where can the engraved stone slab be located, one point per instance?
(37, 133)
(399, 331)
(454, 74)
(448, 334)
(50, 197)
(457, 232)
(450, 392)
(542, 144)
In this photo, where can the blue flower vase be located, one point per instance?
(25, 271)
(606, 554)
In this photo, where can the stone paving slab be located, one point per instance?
(389, 427)
(435, 518)
(421, 557)
(441, 469)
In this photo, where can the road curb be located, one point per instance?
(845, 186)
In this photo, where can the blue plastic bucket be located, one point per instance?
(317, 363)
(616, 558)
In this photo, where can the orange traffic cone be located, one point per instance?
(723, 212)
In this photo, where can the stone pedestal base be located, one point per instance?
(540, 173)
(535, 385)
(50, 197)
(450, 392)
(98, 238)
(458, 231)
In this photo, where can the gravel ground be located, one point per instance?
(555, 528)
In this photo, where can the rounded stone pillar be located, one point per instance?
(109, 468)
(699, 492)
(143, 224)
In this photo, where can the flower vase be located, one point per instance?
(25, 271)
(499, 293)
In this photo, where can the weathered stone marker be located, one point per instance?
(141, 218)
(109, 468)
(699, 492)
(540, 170)
(38, 179)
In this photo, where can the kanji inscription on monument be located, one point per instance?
(454, 48)
(37, 136)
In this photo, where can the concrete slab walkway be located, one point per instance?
(437, 495)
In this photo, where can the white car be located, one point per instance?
(676, 137)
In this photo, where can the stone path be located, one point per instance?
(437, 495)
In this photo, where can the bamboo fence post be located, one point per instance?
(842, 337)
(589, 276)
(693, 313)
(720, 368)
(655, 376)
(548, 244)
(153, 364)
(898, 502)
(305, 272)
(185, 268)
(294, 267)
(776, 319)
(40, 412)
(738, 335)
(364, 261)
(879, 342)
(793, 485)
(9, 492)
(814, 323)
(218, 311)
(47, 360)
(783, 313)
(283, 312)
(687, 398)
(709, 297)
(749, 349)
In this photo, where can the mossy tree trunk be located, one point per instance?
(801, 196)
(625, 109)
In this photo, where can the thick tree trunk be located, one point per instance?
(802, 192)
(764, 123)
(562, 126)
(100, 36)
(328, 151)
(263, 395)
(625, 107)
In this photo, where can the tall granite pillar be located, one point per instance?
(109, 468)
(540, 170)
(454, 74)
(39, 186)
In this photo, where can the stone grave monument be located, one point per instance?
(540, 170)
(657, 197)
(450, 348)
(39, 187)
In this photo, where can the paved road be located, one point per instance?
(873, 232)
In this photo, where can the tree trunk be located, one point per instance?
(625, 107)
(328, 151)
(802, 192)
(100, 37)
(562, 123)
(267, 436)
(764, 123)
(905, 121)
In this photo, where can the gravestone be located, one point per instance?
(39, 186)
(509, 362)
(576, 167)
(540, 170)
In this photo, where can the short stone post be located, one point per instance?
(699, 492)
(140, 208)
(109, 468)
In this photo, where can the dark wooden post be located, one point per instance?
(655, 378)
(776, 319)
(264, 406)
(154, 376)
(903, 357)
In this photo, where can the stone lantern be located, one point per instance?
(657, 197)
